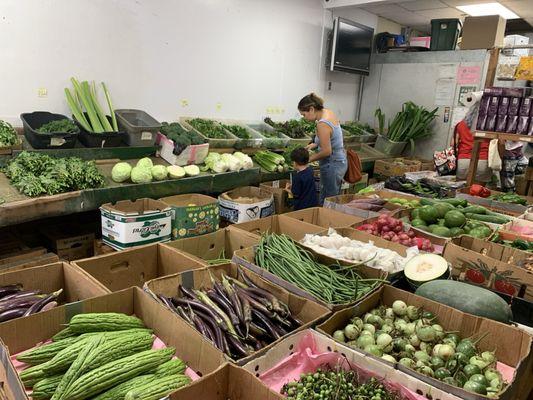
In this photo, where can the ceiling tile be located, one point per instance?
(379, 9)
(440, 13)
(455, 3)
(524, 9)
(418, 5)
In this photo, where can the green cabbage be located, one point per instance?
(121, 172)
(159, 172)
(145, 163)
(141, 175)
(175, 172)
(192, 170)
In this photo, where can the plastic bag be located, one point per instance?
(495, 162)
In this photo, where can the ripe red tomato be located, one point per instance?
(504, 287)
(475, 276)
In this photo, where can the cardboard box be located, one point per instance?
(228, 382)
(512, 345)
(235, 208)
(279, 224)
(396, 166)
(509, 231)
(213, 246)
(324, 217)
(128, 223)
(338, 203)
(134, 267)
(281, 197)
(496, 251)
(324, 344)
(425, 165)
(246, 258)
(474, 267)
(101, 248)
(24, 333)
(26, 258)
(193, 214)
(307, 311)
(49, 278)
(507, 208)
(193, 154)
(68, 242)
(483, 32)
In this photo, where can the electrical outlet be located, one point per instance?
(218, 106)
(184, 102)
(42, 92)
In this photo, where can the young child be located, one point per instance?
(303, 182)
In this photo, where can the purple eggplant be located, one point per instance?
(22, 293)
(10, 289)
(12, 314)
(225, 307)
(265, 322)
(41, 303)
(49, 306)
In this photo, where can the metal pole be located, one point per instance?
(359, 97)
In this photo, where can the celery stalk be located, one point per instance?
(76, 111)
(101, 115)
(83, 93)
(110, 105)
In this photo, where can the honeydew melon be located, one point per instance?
(424, 268)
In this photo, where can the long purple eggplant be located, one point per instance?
(265, 322)
(10, 289)
(196, 305)
(225, 307)
(41, 303)
(22, 293)
(24, 302)
(214, 327)
(12, 314)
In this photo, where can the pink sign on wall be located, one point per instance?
(468, 75)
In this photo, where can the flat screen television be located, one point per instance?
(351, 47)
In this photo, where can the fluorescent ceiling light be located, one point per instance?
(477, 10)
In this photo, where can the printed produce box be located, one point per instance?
(324, 217)
(489, 341)
(227, 383)
(57, 283)
(193, 214)
(133, 267)
(271, 319)
(308, 274)
(245, 204)
(395, 166)
(215, 248)
(168, 331)
(282, 203)
(360, 206)
(68, 242)
(279, 224)
(134, 223)
(517, 229)
(507, 202)
(308, 350)
(515, 253)
(474, 267)
(192, 154)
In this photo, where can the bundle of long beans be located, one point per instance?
(236, 315)
(334, 284)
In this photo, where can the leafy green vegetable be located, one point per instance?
(356, 128)
(36, 174)
(412, 123)
(238, 131)
(209, 128)
(294, 128)
(60, 125)
(8, 135)
(181, 137)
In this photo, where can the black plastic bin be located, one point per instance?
(54, 140)
(104, 139)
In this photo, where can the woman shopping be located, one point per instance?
(328, 141)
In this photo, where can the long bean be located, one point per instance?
(336, 284)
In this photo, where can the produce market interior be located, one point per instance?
(267, 199)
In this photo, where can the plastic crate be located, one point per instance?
(104, 139)
(141, 128)
(389, 147)
(269, 142)
(214, 143)
(54, 140)
(255, 141)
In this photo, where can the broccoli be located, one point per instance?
(181, 137)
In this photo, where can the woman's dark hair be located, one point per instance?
(311, 100)
(300, 156)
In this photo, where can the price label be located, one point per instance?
(56, 141)
(146, 136)
(275, 184)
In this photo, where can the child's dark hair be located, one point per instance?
(311, 100)
(300, 156)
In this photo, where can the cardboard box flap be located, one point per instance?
(133, 267)
(188, 200)
(324, 217)
(136, 207)
(279, 224)
(239, 195)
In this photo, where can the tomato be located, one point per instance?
(475, 276)
(505, 287)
